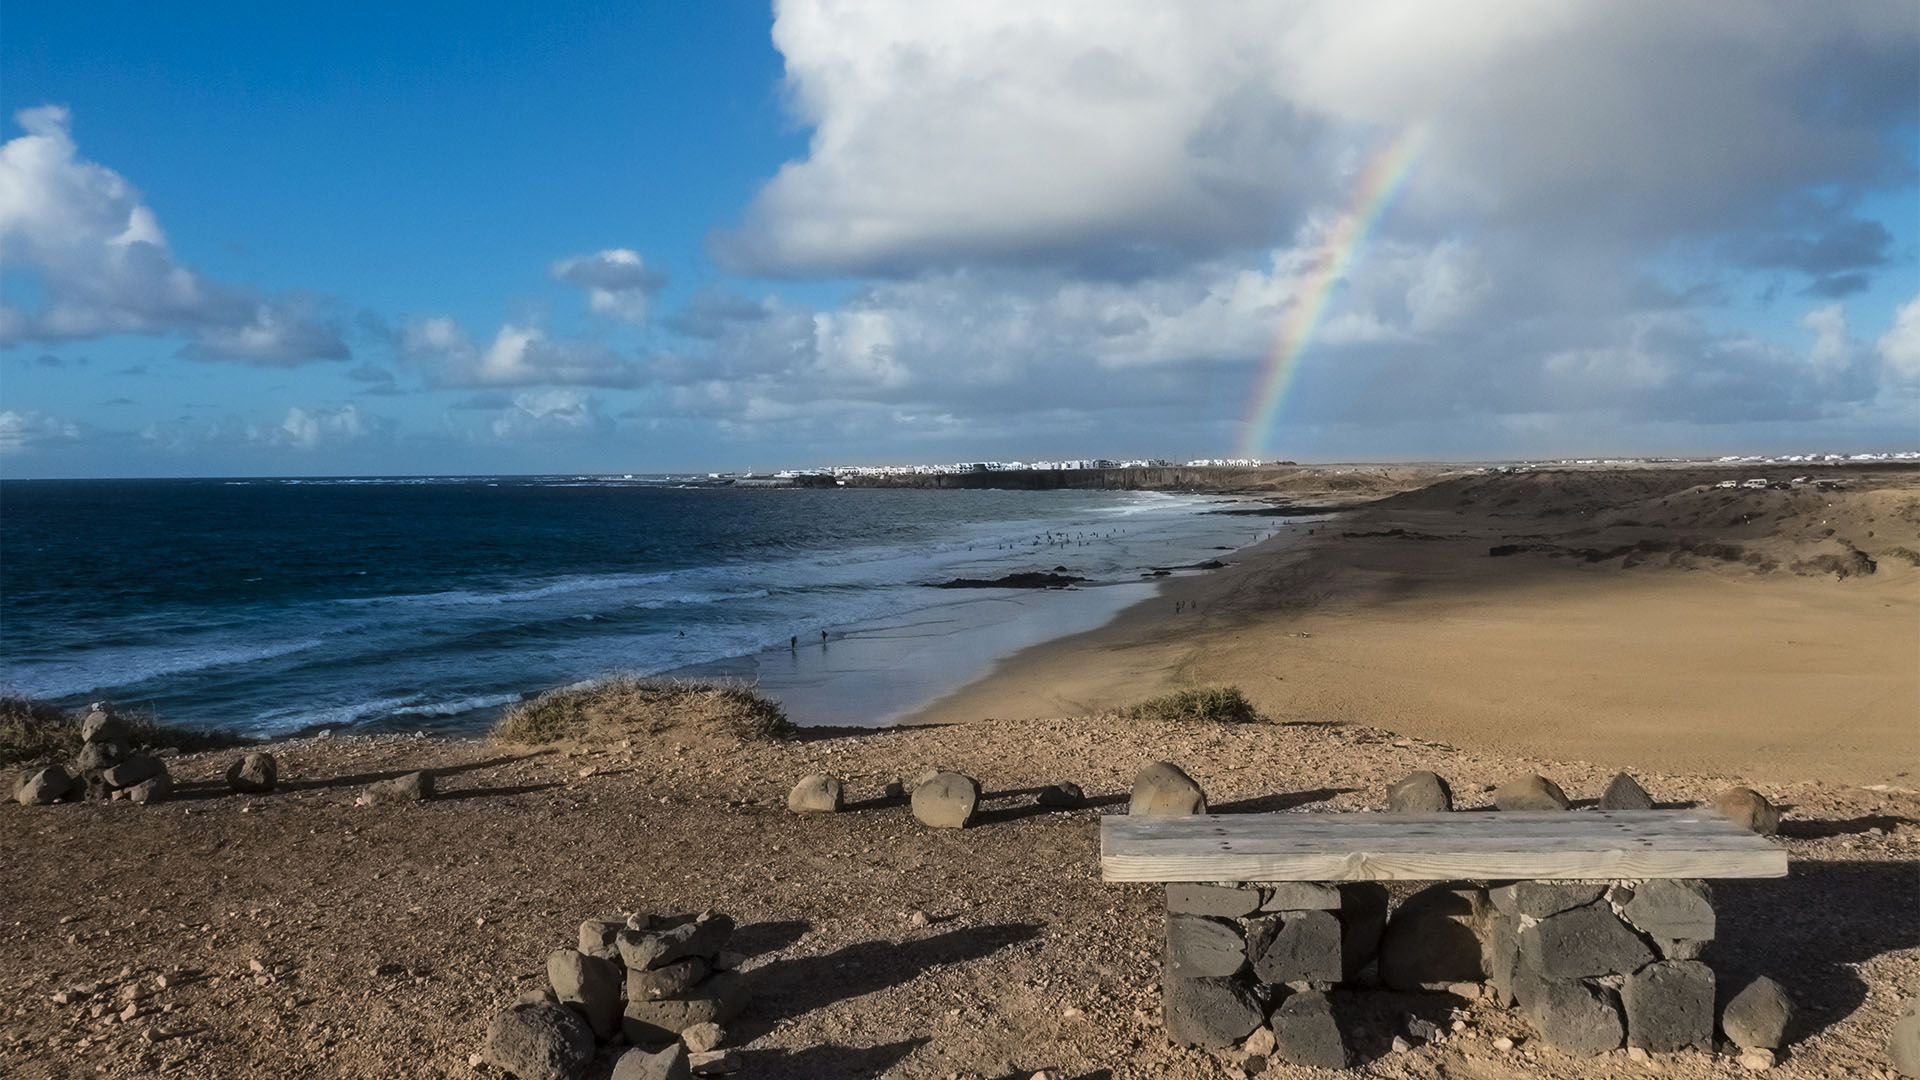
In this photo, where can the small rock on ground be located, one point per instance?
(946, 801)
(1748, 809)
(1530, 793)
(1421, 792)
(1625, 793)
(817, 794)
(1163, 789)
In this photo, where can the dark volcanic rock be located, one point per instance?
(134, 770)
(253, 774)
(1212, 1013)
(1305, 948)
(540, 1041)
(1668, 908)
(1539, 899)
(413, 787)
(657, 1023)
(1625, 793)
(1224, 901)
(1583, 941)
(1304, 1032)
(1201, 947)
(1670, 1006)
(1065, 795)
(1576, 1016)
(1031, 579)
(668, 1064)
(1300, 896)
(1422, 792)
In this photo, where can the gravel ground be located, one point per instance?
(300, 935)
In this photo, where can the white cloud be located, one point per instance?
(20, 430)
(617, 280)
(519, 355)
(102, 265)
(1832, 351)
(1899, 347)
(547, 414)
(310, 429)
(1081, 132)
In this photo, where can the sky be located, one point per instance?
(345, 239)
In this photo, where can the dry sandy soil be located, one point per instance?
(388, 934)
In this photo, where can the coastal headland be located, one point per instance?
(1479, 623)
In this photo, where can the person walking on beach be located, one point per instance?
(793, 642)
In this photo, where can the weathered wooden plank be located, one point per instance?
(1343, 847)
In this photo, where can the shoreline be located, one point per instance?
(1393, 615)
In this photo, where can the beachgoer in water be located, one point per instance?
(793, 642)
(823, 637)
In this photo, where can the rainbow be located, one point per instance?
(1376, 186)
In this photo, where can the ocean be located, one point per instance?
(278, 606)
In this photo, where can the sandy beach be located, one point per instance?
(300, 934)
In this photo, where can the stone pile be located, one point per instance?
(939, 799)
(106, 768)
(661, 986)
(1425, 792)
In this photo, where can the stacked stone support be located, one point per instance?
(1592, 965)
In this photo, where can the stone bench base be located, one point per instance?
(1593, 965)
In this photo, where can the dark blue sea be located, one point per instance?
(277, 606)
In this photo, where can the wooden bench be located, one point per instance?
(1593, 923)
(1491, 845)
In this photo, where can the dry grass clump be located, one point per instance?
(1202, 704)
(34, 731)
(626, 707)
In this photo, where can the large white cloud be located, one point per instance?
(1086, 133)
(102, 265)
(618, 282)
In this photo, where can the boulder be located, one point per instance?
(668, 980)
(1162, 789)
(1304, 1032)
(1582, 942)
(92, 786)
(816, 794)
(668, 1064)
(1434, 938)
(1903, 1041)
(99, 755)
(1758, 1017)
(1669, 908)
(1363, 917)
(946, 801)
(151, 789)
(701, 1038)
(134, 770)
(657, 1023)
(1201, 947)
(540, 1041)
(1578, 1017)
(48, 785)
(1625, 793)
(601, 938)
(1670, 1006)
(1748, 809)
(413, 787)
(1421, 792)
(1301, 896)
(102, 726)
(253, 774)
(1225, 901)
(589, 984)
(1530, 793)
(1213, 1013)
(1065, 795)
(1303, 948)
(1539, 899)
(704, 937)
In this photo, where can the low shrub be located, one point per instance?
(626, 707)
(1202, 704)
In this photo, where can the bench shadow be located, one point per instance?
(492, 792)
(1809, 929)
(1370, 1017)
(830, 1062)
(358, 779)
(765, 937)
(1268, 804)
(1004, 814)
(785, 989)
(1821, 830)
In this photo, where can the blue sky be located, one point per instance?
(286, 239)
